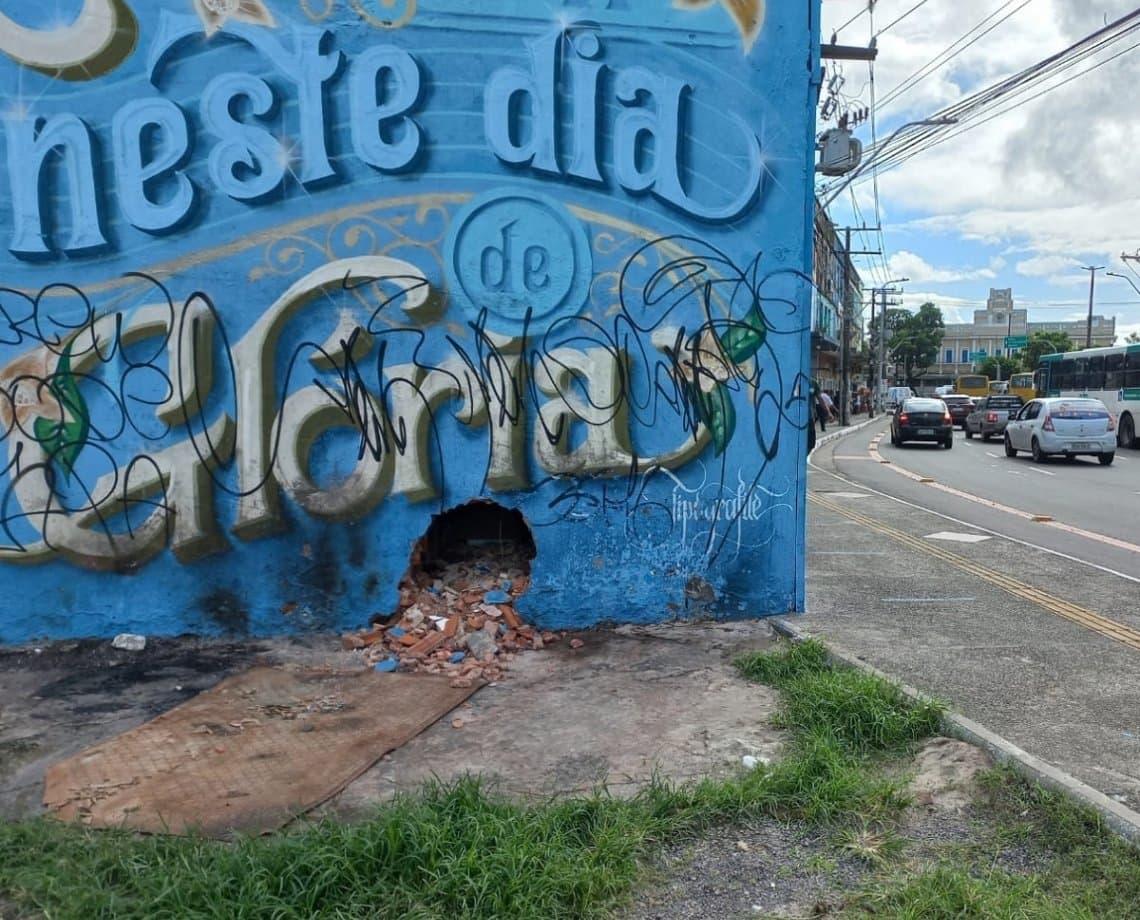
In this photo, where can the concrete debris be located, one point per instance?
(129, 642)
(455, 616)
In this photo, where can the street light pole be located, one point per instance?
(1092, 270)
(1126, 278)
(877, 154)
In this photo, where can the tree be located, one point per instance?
(1133, 338)
(1044, 343)
(893, 321)
(1008, 366)
(917, 340)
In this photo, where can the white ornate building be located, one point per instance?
(986, 335)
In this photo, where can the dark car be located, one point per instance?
(959, 405)
(922, 419)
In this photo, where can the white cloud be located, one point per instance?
(1044, 266)
(1122, 330)
(1049, 180)
(906, 264)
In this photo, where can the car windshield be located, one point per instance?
(924, 405)
(957, 400)
(1082, 412)
(1079, 408)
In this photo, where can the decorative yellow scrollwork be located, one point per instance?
(749, 15)
(386, 14)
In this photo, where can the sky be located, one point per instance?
(1023, 201)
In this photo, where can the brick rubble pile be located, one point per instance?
(455, 617)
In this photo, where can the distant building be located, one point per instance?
(966, 345)
(832, 269)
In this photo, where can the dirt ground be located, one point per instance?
(618, 706)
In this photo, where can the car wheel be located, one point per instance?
(1036, 451)
(949, 442)
(969, 433)
(985, 435)
(1126, 436)
(894, 439)
(1106, 459)
(1009, 451)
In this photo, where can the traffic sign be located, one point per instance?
(977, 356)
(1016, 341)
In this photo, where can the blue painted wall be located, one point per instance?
(283, 279)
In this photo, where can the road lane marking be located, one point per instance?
(845, 552)
(958, 537)
(927, 600)
(1034, 469)
(1016, 541)
(1043, 519)
(1074, 613)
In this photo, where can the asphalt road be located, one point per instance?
(1029, 627)
(1093, 510)
(1105, 500)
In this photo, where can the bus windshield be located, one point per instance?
(973, 385)
(1022, 385)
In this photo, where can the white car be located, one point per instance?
(1064, 427)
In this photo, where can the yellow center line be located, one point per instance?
(1062, 608)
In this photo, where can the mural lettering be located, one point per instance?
(294, 278)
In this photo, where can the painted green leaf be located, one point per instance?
(64, 440)
(745, 336)
(719, 415)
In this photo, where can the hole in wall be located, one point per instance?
(456, 613)
(470, 550)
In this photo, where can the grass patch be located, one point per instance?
(448, 852)
(460, 851)
(864, 713)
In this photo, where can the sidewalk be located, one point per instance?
(992, 627)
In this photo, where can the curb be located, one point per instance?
(838, 432)
(1122, 819)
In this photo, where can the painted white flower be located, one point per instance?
(749, 15)
(216, 13)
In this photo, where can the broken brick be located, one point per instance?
(427, 644)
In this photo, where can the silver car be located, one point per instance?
(1060, 426)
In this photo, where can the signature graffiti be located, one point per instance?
(123, 428)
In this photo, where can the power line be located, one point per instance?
(1001, 94)
(866, 9)
(895, 22)
(941, 58)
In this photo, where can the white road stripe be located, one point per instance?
(925, 600)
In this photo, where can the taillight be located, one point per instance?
(991, 416)
(1111, 422)
(903, 418)
(1048, 424)
(947, 418)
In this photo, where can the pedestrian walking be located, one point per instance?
(826, 409)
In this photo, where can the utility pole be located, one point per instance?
(845, 307)
(1092, 270)
(879, 360)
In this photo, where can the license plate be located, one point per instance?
(926, 431)
(1080, 445)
